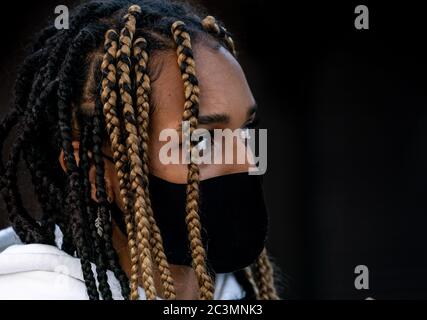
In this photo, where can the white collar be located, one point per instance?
(32, 258)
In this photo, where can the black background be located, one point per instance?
(345, 110)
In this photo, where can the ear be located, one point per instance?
(92, 174)
(76, 146)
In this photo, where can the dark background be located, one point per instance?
(345, 110)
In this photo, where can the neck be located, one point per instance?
(185, 280)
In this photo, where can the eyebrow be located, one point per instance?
(214, 118)
(220, 118)
(223, 117)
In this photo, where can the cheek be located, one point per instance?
(175, 173)
(238, 164)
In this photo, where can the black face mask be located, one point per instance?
(233, 218)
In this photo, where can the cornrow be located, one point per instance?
(133, 149)
(191, 109)
(211, 25)
(143, 89)
(109, 98)
(262, 272)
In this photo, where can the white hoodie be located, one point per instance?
(44, 272)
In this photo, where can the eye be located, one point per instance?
(245, 133)
(204, 140)
(202, 144)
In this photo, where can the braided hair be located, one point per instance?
(104, 57)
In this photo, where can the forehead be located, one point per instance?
(223, 86)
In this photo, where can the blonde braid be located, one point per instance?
(249, 276)
(264, 279)
(133, 151)
(109, 100)
(143, 108)
(191, 90)
(211, 25)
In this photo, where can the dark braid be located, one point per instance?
(25, 226)
(75, 55)
(40, 81)
(41, 185)
(99, 255)
(22, 85)
(25, 78)
(46, 192)
(27, 229)
(6, 124)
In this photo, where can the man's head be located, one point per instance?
(106, 88)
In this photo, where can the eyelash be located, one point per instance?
(253, 124)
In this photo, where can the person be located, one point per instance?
(90, 105)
